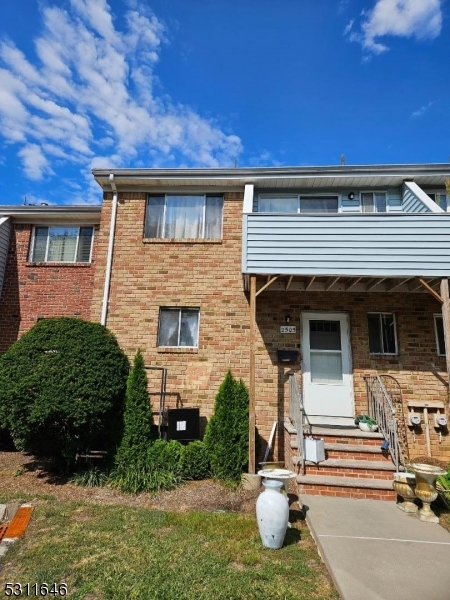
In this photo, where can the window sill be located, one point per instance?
(83, 265)
(176, 350)
(181, 241)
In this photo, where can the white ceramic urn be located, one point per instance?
(272, 514)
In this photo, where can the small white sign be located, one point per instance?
(181, 425)
(288, 329)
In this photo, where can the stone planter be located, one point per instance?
(426, 489)
(404, 484)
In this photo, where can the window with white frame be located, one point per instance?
(295, 203)
(382, 333)
(62, 244)
(373, 201)
(440, 198)
(439, 330)
(178, 327)
(184, 216)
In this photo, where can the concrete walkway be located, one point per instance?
(374, 551)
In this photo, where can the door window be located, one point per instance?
(325, 351)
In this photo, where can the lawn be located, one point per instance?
(117, 552)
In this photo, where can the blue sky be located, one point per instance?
(168, 83)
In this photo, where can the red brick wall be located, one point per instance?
(33, 290)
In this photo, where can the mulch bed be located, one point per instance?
(20, 474)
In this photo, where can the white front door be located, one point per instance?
(326, 368)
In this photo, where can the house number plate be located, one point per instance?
(288, 329)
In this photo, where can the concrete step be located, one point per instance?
(325, 485)
(345, 432)
(356, 469)
(343, 463)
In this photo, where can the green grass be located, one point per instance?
(122, 553)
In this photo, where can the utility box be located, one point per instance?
(314, 450)
(183, 424)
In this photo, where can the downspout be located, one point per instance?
(112, 229)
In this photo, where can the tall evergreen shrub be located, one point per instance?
(138, 418)
(62, 387)
(226, 436)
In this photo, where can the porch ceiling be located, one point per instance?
(314, 283)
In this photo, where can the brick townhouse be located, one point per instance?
(325, 284)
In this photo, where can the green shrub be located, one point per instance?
(93, 477)
(139, 476)
(226, 436)
(61, 389)
(165, 456)
(195, 461)
(137, 419)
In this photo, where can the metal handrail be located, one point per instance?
(384, 412)
(296, 415)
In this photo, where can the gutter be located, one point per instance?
(112, 229)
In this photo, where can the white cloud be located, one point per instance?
(89, 97)
(421, 19)
(34, 162)
(349, 27)
(423, 109)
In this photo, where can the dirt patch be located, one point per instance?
(21, 475)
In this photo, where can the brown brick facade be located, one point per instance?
(149, 274)
(420, 372)
(33, 290)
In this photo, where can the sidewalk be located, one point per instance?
(374, 551)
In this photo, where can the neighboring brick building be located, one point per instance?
(345, 264)
(53, 282)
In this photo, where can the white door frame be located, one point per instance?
(344, 318)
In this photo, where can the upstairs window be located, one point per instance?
(440, 198)
(178, 327)
(62, 244)
(373, 201)
(297, 204)
(183, 217)
(439, 330)
(382, 334)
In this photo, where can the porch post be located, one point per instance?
(446, 322)
(252, 417)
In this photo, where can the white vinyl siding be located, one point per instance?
(65, 244)
(5, 231)
(184, 217)
(347, 244)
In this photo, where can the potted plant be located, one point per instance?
(366, 423)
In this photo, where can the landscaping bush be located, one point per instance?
(61, 389)
(166, 456)
(140, 476)
(137, 419)
(226, 436)
(195, 461)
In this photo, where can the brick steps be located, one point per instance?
(355, 465)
